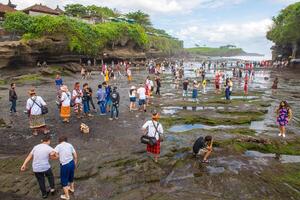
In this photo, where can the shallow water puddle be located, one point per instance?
(282, 158)
(188, 127)
(171, 110)
(242, 97)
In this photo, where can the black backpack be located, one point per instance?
(114, 97)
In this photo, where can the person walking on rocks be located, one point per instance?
(77, 98)
(68, 162)
(36, 117)
(196, 86)
(13, 98)
(101, 99)
(185, 85)
(142, 97)
(158, 85)
(275, 86)
(86, 100)
(132, 98)
(65, 99)
(41, 167)
(284, 115)
(58, 82)
(115, 98)
(152, 128)
(203, 146)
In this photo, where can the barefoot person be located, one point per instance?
(284, 115)
(68, 161)
(41, 166)
(36, 118)
(153, 128)
(203, 146)
(65, 110)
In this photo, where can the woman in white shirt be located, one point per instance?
(153, 128)
(34, 108)
(65, 110)
(77, 97)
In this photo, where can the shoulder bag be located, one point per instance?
(43, 108)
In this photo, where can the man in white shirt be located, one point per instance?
(142, 97)
(41, 166)
(68, 161)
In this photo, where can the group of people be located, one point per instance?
(40, 156)
(80, 98)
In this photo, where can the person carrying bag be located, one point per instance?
(153, 136)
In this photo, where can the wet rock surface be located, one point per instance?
(114, 165)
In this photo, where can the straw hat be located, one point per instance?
(64, 88)
(31, 91)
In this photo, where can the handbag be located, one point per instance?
(44, 109)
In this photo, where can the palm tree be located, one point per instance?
(141, 18)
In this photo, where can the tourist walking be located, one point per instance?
(77, 98)
(101, 99)
(41, 167)
(284, 115)
(83, 73)
(217, 82)
(86, 100)
(275, 86)
(204, 82)
(227, 89)
(58, 82)
(196, 86)
(152, 128)
(203, 146)
(34, 107)
(185, 85)
(65, 99)
(129, 75)
(246, 85)
(142, 97)
(108, 102)
(158, 85)
(90, 97)
(115, 98)
(68, 162)
(132, 98)
(13, 98)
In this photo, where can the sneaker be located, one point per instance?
(279, 134)
(205, 161)
(283, 135)
(52, 192)
(117, 118)
(110, 118)
(64, 197)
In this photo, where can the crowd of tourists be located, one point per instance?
(80, 99)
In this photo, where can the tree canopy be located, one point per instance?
(286, 26)
(141, 18)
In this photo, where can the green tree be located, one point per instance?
(17, 22)
(76, 10)
(286, 28)
(141, 18)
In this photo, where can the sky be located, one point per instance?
(243, 23)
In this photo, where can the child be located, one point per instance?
(204, 86)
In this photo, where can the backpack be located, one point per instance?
(114, 97)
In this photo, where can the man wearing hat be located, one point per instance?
(153, 128)
(34, 108)
(65, 111)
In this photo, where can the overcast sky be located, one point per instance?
(206, 22)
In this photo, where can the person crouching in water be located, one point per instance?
(65, 110)
(203, 146)
(153, 128)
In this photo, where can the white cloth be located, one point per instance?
(75, 95)
(35, 108)
(40, 154)
(65, 99)
(142, 93)
(65, 151)
(151, 129)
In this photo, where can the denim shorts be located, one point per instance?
(132, 99)
(142, 102)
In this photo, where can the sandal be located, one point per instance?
(205, 161)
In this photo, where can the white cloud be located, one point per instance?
(243, 34)
(151, 6)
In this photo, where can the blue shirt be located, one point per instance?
(101, 95)
(107, 93)
(58, 81)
